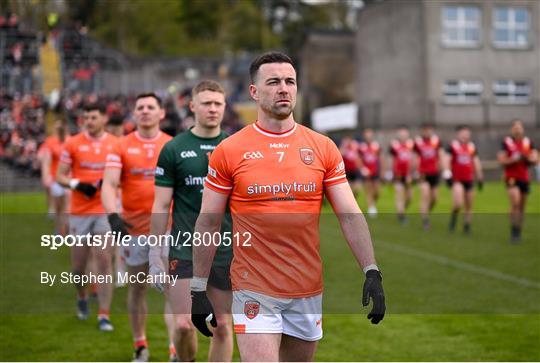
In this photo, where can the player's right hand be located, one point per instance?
(373, 289)
(201, 310)
(86, 188)
(118, 224)
(480, 185)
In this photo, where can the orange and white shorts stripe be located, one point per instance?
(258, 313)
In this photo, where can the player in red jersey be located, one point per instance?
(465, 167)
(430, 155)
(49, 157)
(131, 165)
(274, 174)
(81, 169)
(516, 156)
(401, 151)
(349, 152)
(369, 151)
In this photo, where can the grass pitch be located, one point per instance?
(450, 297)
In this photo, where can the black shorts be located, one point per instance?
(523, 185)
(431, 179)
(373, 178)
(467, 185)
(352, 175)
(220, 276)
(401, 179)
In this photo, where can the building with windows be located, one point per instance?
(448, 62)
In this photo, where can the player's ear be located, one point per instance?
(161, 114)
(191, 106)
(253, 92)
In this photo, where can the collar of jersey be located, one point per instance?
(141, 138)
(95, 138)
(274, 134)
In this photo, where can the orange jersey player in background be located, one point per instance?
(49, 157)
(131, 165)
(274, 173)
(81, 168)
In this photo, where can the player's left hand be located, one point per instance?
(156, 268)
(373, 289)
(201, 310)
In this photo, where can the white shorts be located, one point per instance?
(84, 224)
(136, 253)
(57, 190)
(258, 313)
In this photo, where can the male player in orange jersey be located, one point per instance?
(83, 155)
(131, 166)
(49, 157)
(274, 173)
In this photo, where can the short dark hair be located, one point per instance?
(515, 121)
(428, 124)
(270, 57)
(462, 127)
(207, 85)
(150, 94)
(95, 106)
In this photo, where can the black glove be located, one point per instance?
(118, 224)
(87, 189)
(373, 289)
(480, 185)
(201, 308)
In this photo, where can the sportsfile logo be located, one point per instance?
(253, 155)
(188, 154)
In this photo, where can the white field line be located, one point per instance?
(460, 265)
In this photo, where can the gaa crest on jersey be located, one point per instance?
(251, 308)
(307, 155)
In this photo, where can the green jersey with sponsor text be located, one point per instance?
(182, 166)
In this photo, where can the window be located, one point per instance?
(461, 26)
(461, 91)
(511, 27)
(512, 92)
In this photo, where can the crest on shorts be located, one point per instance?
(307, 155)
(251, 309)
(172, 265)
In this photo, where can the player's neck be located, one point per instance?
(204, 132)
(275, 125)
(96, 135)
(148, 133)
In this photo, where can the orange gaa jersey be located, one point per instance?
(276, 184)
(137, 157)
(86, 156)
(53, 146)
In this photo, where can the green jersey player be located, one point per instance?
(181, 169)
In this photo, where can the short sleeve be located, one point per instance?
(114, 157)
(333, 164)
(219, 177)
(166, 167)
(66, 155)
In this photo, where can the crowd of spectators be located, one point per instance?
(22, 120)
(19, 49)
